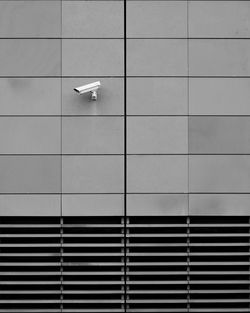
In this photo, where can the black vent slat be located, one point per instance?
(219, 264)
(109, 264)
(215, 261)
(30, 264)
(93, 264)
(156, 264)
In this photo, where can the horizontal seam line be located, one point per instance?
(129, 76)
(119, 116)
(121, 38)
(120, 193)
(122, 154)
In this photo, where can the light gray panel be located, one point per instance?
(93, 205)
(157, 173)
(28, 135)
(157, 19)
(110, 97)
(92, 19)
(157, 205)
(219, 135)
(156, 57)
(217, 19)
(219, 173)
(93, 174)
(224, 57)
(30, 18)
(30, 205)
(29, 57)
(92, 57)
(93, 135)
(157, 135)
(30, 174)
(156, 96)
(219, 204)
(215, 96)
(30, 96)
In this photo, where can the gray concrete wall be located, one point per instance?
(187, 103)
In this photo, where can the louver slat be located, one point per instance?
(30, 264)
(93, 264)
(156, 271)
(99, 264)
(188, 264)
(219, 264)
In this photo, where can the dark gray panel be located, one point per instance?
(93, 135)
(92, 19)
(30, 18)
(30, 174)
(219, 135)
(29, 57)
(156, 57)
(219, 173)
(86, 57)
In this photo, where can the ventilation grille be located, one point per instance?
(148, 264)
(157, 264)
(93, 264)
(219, 264)
(68, 264)
(191, 264)
(30, 264)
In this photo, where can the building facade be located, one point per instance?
(139, 201)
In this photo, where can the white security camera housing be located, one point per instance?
(93, 87)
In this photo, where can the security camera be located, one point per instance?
(93, 87)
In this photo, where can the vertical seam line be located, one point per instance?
(61, 165)
(125, 154)
(188, 198)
